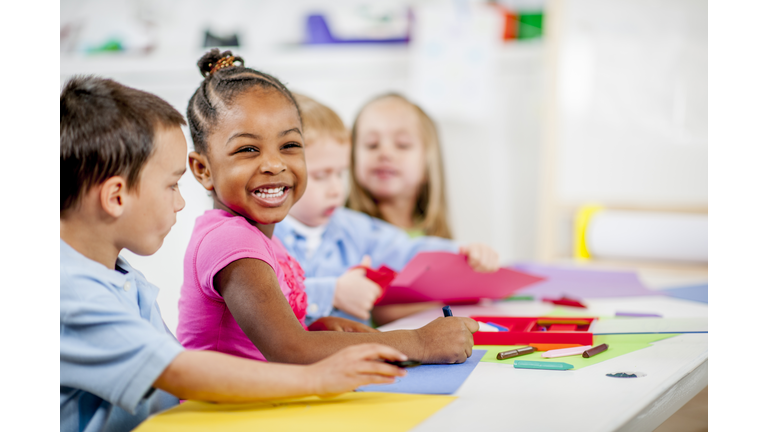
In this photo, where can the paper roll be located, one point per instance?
(647, 235)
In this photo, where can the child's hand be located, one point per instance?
(481, 257)
(355, 293)
(447, 340)
(341, 325)
(352, 367)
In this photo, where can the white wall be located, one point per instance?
(491, 164)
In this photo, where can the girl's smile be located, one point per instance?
(272, 195)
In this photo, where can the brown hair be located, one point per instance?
(106, 129)
(319, 121)
(431, 210)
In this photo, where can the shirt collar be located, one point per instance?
(70, 256)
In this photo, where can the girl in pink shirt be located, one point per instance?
(242, 294)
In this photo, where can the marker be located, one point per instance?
(447, 311)
(486, 328)
(562, 321)
(524, 364)
(594, 351)
(565, 352)
(514, 353)
(403, 363)
(498, 326)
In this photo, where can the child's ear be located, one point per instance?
(112, 196)
(200, 169)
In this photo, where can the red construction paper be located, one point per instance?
(447, 277)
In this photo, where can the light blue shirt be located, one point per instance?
(114, 345)
(348, 237)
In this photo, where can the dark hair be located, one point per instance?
(219, 89)
(106, 129)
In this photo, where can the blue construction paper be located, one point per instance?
(431, 379)
(699, 293)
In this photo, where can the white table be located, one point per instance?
(504, 398)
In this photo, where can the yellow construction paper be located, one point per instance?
(349, 412)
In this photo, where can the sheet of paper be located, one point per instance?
(431, 379)
(650, 325)
(349, 412)
(445, 276)
(579, 283)
(617, 345)
(699, 293)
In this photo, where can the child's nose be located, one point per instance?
(180, 203)
(272, 164)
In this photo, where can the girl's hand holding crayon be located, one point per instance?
(353, 367)
(340, 324)
(482, 258)
(355, 293)
(440, 338)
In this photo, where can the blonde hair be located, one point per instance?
(431, 211)
(320, 121)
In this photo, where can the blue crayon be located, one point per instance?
(447, 311)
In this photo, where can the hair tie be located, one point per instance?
(224, 62)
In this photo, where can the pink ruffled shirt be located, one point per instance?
(219, 238)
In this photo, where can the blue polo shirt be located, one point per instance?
(348, 237)
(114, 345)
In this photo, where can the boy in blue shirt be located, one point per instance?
(122, 154)
(328, 239)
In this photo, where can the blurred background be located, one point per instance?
(572, 131)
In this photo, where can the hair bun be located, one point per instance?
(212, 61)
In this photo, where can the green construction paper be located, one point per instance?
(617, 345)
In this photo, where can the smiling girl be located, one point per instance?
(242, 293)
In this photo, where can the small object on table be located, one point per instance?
(403, 363)
(514, 353)
(447, 311)
(486, 328)
(594, 351)
(565, 301)
(626, 375)
(519, 298)
(565, 352)
(637, 315)
(499, 327)
(524, 364)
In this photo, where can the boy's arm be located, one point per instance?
(251, 291)
(217, 377)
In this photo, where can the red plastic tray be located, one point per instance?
(526, 330)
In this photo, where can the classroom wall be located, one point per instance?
(491, 161)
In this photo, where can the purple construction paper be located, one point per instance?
(637, 315)
(580, 283)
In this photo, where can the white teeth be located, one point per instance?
(270, 193)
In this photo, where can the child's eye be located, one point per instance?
(403, 145)
(247, 150)
(175, 186)
(292, 145)
(371, 146)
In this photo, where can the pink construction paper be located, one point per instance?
(447, 277)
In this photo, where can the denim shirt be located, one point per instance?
(348, 237)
